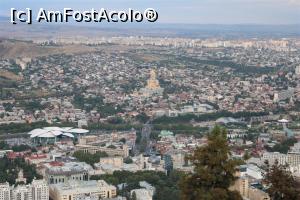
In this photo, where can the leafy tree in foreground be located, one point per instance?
(280, 182)
(214, 171)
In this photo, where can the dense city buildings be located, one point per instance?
(119, 118)
(37, 190)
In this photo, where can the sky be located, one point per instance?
(182, 11)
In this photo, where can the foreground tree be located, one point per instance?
(214, 171)
(280, 182)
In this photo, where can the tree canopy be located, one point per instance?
(214, 171)
(88, 157)
(280, 182)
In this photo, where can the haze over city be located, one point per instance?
(186, 12)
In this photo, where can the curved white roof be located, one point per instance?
(68, 135)
(34, 131)
(51, 132)
(78, 130)
(283, 121)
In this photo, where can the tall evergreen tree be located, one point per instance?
(214, 171)
(280, 183)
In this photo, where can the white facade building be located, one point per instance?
(74, 190)
(38, 190)
(292, 159)
(4, 191)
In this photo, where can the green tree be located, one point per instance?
(280, 182)
(142, 117)
(214, 171)
(128, 160)
(4, 145)
(89, 158)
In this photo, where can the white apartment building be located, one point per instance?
(21, 192)
(292, 159)
(4, 191)
(38, 190)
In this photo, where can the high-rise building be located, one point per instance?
(21, 192)
(4, 191)
(297, 71)
(40, 190)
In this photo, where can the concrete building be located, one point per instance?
(37, 190)
(119, 151)
(114, 161)
(63, 172)
(73, 190)
(40, 190)
(141, 194)
(248, 191)
(257, 194)
(22, 192)
(4, 191)
(292, 159)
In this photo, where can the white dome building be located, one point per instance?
(52, 134)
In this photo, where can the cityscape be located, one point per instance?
(194, 112)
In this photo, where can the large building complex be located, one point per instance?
(118, 151)
(75, 190)
(152, 87)
(62, 172)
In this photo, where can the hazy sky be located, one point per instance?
(183, 11)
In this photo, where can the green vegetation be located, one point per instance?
(280, 183)
(16, 148)
(166, 186)
(128, 160)
(118, 127)
(112, 146)
(22, 147)
(8, 107)
(9, 170)
(239, 68)
(214, 171)
(284, 146)
(142, 117)
(88, 157)
(31, 105)
(115, 120)
(4, 145)
(14, 67)
(88, 104)
(21, 128)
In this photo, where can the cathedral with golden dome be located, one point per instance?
(152, 82)
(152, 88)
